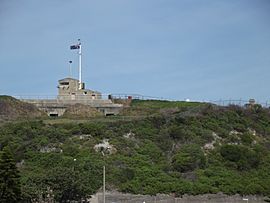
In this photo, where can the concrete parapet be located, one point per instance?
(56, 107)
(56, 102)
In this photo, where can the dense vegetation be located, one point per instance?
(182, 148)
(10, 190)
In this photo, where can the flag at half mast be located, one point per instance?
(77, 46)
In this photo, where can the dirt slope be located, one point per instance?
(81, 111)
(12, 109)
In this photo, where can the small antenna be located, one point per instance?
(70, 69)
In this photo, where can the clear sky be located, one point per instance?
(176, 49)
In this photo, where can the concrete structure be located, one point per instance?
(68, 89)
(70, 93)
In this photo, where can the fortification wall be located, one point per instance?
(55, 107)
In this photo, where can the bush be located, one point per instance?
(188, 158)
(242, 156)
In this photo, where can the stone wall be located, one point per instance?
(115, 197)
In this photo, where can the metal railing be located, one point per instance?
(86, 97)
(220, 102)
(35, 97)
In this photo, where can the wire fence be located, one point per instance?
(240, 102)
(220, 102)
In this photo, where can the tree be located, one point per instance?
(10, 188)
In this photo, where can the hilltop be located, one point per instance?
(152, 147)
(12, 109)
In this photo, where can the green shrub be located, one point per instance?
(188, 158)
(244, 157)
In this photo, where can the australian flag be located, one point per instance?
(77, 46)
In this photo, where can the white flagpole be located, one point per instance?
(80, 64)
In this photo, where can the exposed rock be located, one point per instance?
(252, 132)
(210, 145)
(85, 137)
(129, 135)
(20, 164)
(105, 147)
(48, 149)
(233, 143)
(234, 132)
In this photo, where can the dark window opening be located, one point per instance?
(109, 114)
(64, 83)
(85, 92)
(53, 114)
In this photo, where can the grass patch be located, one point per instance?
(163, 104)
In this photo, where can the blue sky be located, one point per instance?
(176, 49)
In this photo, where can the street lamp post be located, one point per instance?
(104, 176)
(104, 181)
(104, 172)
(74, 160)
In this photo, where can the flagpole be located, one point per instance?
(80, 64)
